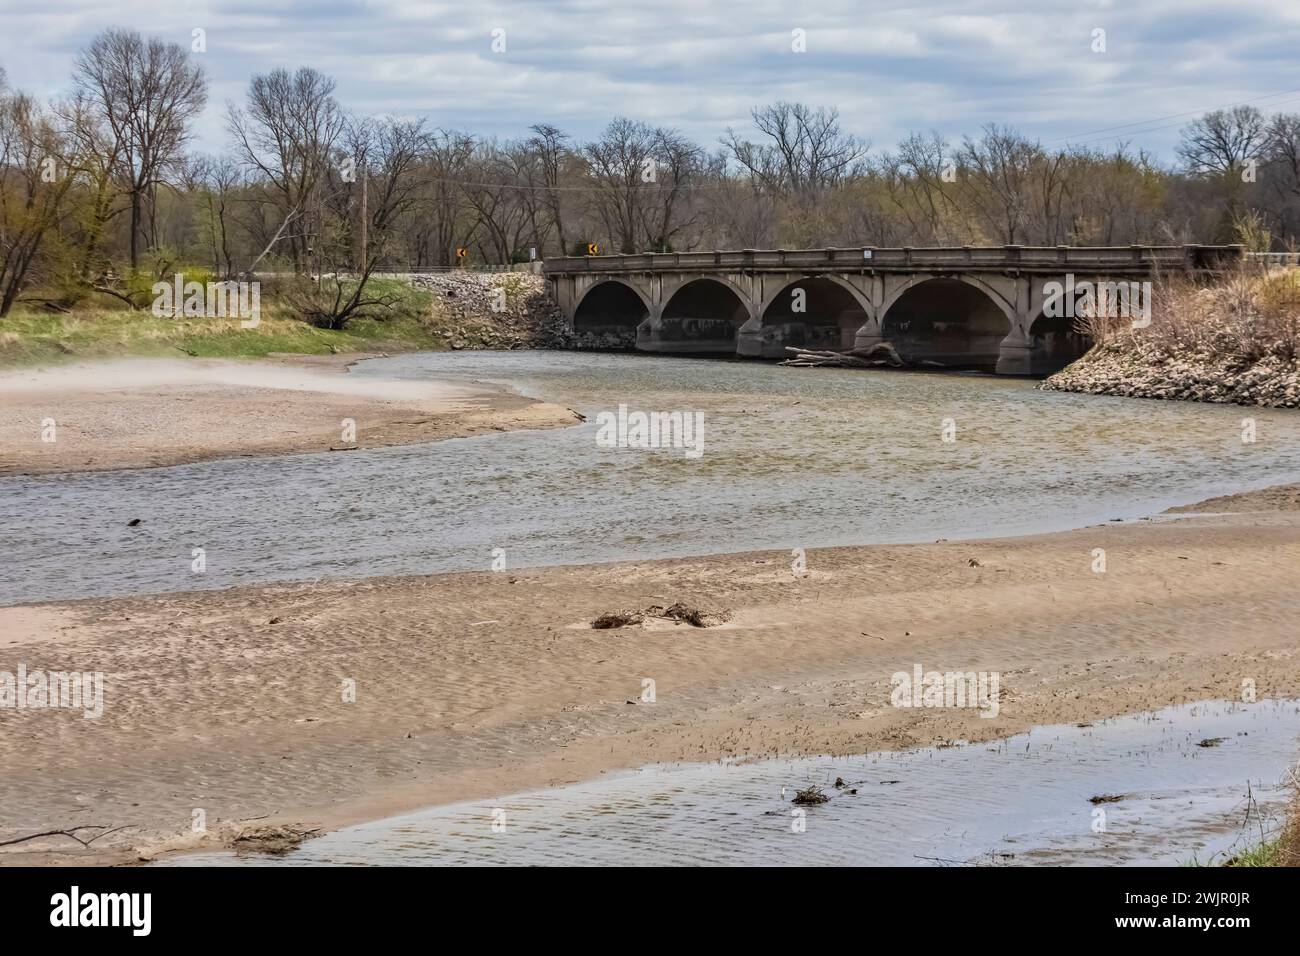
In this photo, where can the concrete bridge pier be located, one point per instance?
(1016, 355)
(756, 340)
(749, 338)
(1025, 301)
(869, 334)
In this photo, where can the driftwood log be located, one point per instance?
(879, 354)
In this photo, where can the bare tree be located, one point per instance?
(807, 152)
(617, 162)
(550, 149)
(639, 173)
(1283, 149)
(1282, 172)
(389, 151)
(146, 91)
(447, 225)
(995, 172)
(738, 213)
(1222, 142)
(1051, 185)
(287, 133)
(1222, 146)
(1110, 198)
(386, 154)
(920, 181)
(679, 163)
(498, 190)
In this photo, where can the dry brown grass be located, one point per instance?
(1289, 842)
(1249, 315)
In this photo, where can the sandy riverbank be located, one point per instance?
(137, 413)
(470, 685)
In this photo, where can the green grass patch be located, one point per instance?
(29, 336)
(1266, 854)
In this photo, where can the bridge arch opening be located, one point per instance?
(704, 312)
(813, 313)
(946, 322)
(611, 310)
(1055, 342)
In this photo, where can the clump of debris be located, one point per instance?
(678, 613)
(611, 619)
(810, 796)
(685, 614)
(272, 840)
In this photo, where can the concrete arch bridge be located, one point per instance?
(968, 307)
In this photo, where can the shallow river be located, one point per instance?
(1192, 783)
(791, 458)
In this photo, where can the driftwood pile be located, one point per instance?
(879, 354)
(810, 796)
(679, 613)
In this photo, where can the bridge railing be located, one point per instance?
(1276, 260)
(978, 258)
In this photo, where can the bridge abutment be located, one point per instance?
(868, 334)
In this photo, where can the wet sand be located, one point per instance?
(139, 413)
(474, 685)
(1199, 782)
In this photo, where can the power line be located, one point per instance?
(1155, 129)
(1161, 119)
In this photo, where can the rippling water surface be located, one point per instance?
(793, 458)
(1196, 782)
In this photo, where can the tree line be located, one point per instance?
(101, 189)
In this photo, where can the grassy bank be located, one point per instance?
(101, 327)
(1282, 850)
(1285, 850)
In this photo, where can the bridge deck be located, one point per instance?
(1024, 259)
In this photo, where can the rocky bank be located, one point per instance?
(505, 310)
(1135, 368)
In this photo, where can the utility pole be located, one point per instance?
(319, 235)
(365, 216)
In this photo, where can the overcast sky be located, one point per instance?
(700, 65)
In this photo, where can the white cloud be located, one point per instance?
(889, 66)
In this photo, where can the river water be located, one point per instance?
(791, 458)
(1192, 783)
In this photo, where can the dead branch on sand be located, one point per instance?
(70, 834)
